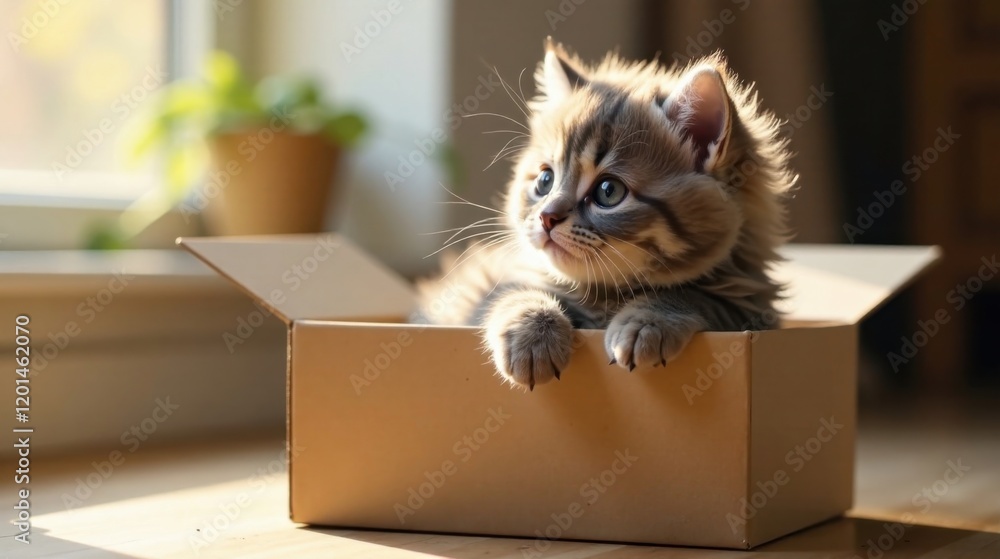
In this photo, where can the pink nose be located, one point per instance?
(550, 220)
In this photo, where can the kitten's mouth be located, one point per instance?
(556, 247)
(556, 250)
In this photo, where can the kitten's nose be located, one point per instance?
(551, 219)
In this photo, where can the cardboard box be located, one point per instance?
(746, 437)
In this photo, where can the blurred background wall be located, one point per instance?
(395, 67)
(892, 108)
(864, 87)
(424, 60)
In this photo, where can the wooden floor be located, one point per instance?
(212, 500)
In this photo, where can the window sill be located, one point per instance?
(48, 219)
(113, 331)
(82, 271)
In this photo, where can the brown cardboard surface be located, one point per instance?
(802, 427)
(363, 442)
(846, 283)
(398, 426)
(829, 283)
(306, 276)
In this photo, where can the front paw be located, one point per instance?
(530, 339)
(641, 337)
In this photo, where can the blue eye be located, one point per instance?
(609, 193)
(543, 184)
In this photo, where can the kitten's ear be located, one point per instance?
(700, 105)
(559, 75)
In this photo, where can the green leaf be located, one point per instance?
(189, 112)
(452, 163)
(105, 236)
(187, 99)
(183, 108)
(346, 128)
(309, 120)
(222, 71)
(309, 93)
(281, 91)
(186, 162)
(143, 134)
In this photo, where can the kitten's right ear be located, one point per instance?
(558, 75)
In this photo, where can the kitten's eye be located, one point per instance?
(543, 184)
(609, 193)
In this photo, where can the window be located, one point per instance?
(76, 75)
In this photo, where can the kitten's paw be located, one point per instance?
(530, 338)
(640, 337)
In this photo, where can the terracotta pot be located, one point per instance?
(277, 183)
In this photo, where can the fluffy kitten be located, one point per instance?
(647, 201)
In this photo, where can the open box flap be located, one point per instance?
(846, 283)
(328, 277)
(307, 276)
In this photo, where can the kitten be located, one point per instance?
(647, 201)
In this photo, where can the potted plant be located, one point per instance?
(263, 156)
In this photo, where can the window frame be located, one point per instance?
(191, 34)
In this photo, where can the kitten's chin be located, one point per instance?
(556, 253)
(563, 262)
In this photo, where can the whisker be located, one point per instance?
(600, 258)
(521, 89)
(518, 132)
(506, 252)
(586, 294)
(480, 244)
(475, 223)
(625, 278)
(464, 201)
(468, 202)
(485, 243)
(575, 284)
(653, 256)
(449, 242)
(508, 144)
(597, 267)
(503, 117)
(510, 93)
(635, 268)
(600, 254)
(500, 154)
(466, 238)
(504, 156)
(513, 152)
(481, 223)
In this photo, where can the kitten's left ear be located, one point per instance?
(701, 106)
(559, 74)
